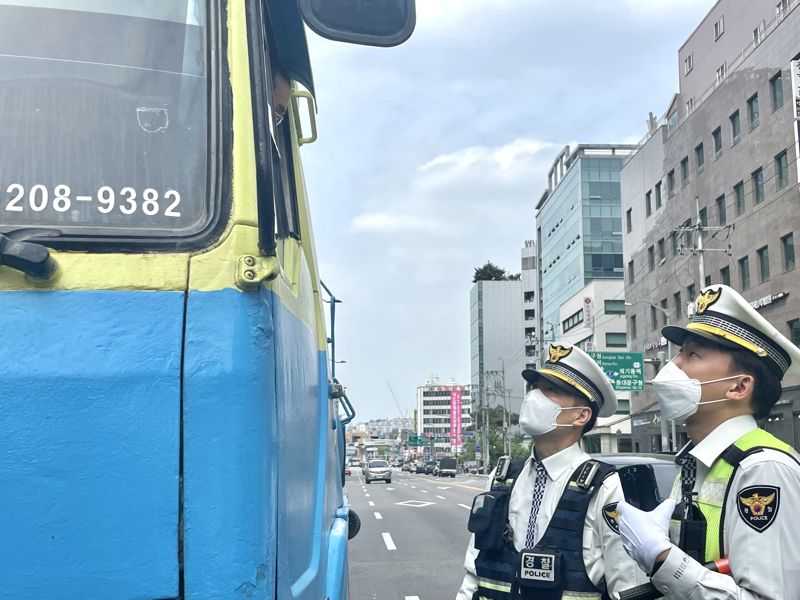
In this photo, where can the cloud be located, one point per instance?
(392, 223)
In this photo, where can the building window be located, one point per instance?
(699, 157)
(758, 33)
(671, 183)
(781, 8)
(629, 219)
(776, 89)
(632, 326)
(763, 263)
(758, 185)
(719, 27)
(685, 170)
(782, 170)
(648, 207)
(676, 300)
(658, 195)
(664, 311)
(752, 111)
(738, 192)
(673, 238)
(653, 318)
(725, 275)
(708, 281)
(690, 292)
(704, 217)
(721, 72)
(616, 340)
(662, 254)
(651, 258)
(723, 218)
(736, 127)
(614, 307)
(688, 64)
(716, 135)
(572, 321)
(630, 272)
(744, 272)
(690, 105)
(787, 244)
(687, 233)
(794, 331)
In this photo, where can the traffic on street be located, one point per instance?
(413, 535)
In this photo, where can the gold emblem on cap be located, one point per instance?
(558, 352)
(706, 299)
(757, 504)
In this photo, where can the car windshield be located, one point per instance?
(378, 463)
(104, 117)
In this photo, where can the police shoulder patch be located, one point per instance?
(758, 505)
(610, 516)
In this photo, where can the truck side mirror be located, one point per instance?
(376, 23)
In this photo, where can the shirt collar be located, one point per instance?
(561, 461)
(725, 434)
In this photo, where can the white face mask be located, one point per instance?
(538, 414)
(678, 395)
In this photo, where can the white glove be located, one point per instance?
(645, 535)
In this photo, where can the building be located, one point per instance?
(594, 320)
(725, 157)
(579, 228)
(530, 291)
(497, 339)
(443, 413)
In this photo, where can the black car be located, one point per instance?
(662, 467)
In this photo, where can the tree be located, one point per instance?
(489, 272)
(467, 450)
(519, 447)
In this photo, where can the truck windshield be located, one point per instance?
(105, 117)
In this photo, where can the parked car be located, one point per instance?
(406, 467)
(447, 467)
(347, 470)
(429, 467)
(378, 469)
(662, 467)
(413, 468)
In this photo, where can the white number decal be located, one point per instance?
(130, 195)
(171, 212)
(13, 205)
(41, 191)
(61, 200)
(150, 204)
(106, 198)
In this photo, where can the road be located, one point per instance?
(413, 536)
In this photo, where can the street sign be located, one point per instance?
(468, 434)
(624, 369)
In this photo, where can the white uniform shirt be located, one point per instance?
(765, 564)
(603, 553)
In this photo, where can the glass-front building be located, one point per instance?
(579, 227)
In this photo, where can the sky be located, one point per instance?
(432, 156)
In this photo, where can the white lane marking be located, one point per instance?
(412, 598)
(390, 489)
(371, 503)
(440, 497)
(443, 487)
(414, 487)
(387, 539)
(415, 503)
(425, 491)
(465, 506)
(367, 495)
(378, 516)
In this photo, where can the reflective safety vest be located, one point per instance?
(713, 493)
(497, 565)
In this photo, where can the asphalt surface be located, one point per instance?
(413, 535)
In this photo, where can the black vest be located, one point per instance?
(557, 559)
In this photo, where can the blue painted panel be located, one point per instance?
(89, 449)
(229, 446)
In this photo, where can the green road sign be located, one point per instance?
(624, 369)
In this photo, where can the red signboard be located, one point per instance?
(455, 419)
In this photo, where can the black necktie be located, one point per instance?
(688, 478)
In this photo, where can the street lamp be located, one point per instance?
(664, 439)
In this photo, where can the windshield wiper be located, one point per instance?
(31, 258)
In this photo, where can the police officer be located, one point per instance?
(738, 486)
(547, 528)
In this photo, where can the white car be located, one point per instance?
(378, 469)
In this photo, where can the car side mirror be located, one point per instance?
(353, 524)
